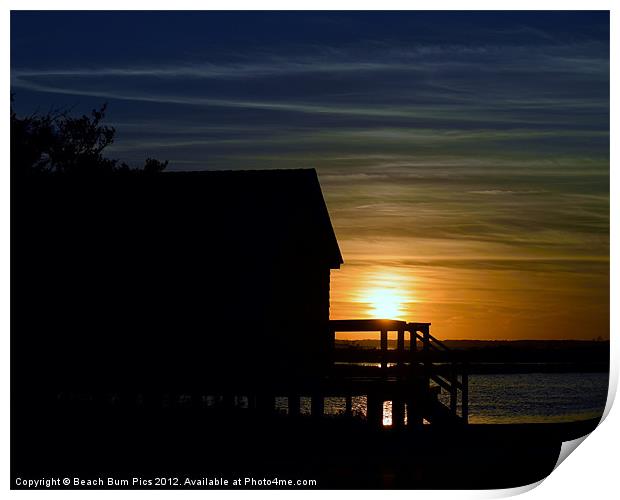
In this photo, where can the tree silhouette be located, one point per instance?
(153, 166)
(57, 143)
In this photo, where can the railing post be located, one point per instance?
(426, 352)
(332, 347)
(453, 388)
(426, 338)
(465, 393)
(413, 339)
(401, 341)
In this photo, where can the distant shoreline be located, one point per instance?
(502, 368)
(497, 357)
(455, 343)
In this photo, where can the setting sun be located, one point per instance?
(385, 303)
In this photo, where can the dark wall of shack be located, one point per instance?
(139, 284)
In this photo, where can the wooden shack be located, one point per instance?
(174, 282)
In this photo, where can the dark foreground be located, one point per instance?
(183, 449)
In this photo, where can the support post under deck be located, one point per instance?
(400, 348)
(265, 403)
(374, 410)
(414, 415)
(398, 413)
(293, 405)
(317, 405)
(348, 410)
(465, 393)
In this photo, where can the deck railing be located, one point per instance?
(412, 377)
(428, 366)
(448, 381)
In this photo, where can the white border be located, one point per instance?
(590, 472)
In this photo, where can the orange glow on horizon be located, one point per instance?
(463, 302)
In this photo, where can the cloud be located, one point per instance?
(364, 57)
(496, 192)
(215, 71)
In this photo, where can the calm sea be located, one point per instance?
(537, 397)
(513, 398)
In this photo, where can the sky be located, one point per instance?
(463, 156)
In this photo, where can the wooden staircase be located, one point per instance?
(414, 377)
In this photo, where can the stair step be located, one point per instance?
(437, 412)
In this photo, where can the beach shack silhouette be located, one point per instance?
(147, 286)
(159, 290)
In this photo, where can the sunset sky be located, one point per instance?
(464, 157)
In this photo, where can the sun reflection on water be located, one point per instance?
(387, 413)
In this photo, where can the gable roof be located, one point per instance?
(274, 211)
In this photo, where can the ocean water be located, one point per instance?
(536, 397)
(510, 398)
